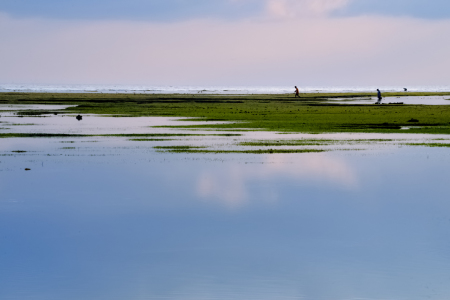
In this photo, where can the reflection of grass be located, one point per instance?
(311, 113)
(428, 144)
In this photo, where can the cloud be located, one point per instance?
(304, 51)
(303, 8)
(230, 188)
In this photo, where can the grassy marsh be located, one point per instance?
(310, 113)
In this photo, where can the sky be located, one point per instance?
(225, 42)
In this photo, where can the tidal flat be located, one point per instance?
(313, 113)
(182, 197)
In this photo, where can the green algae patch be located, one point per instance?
(311, 113)
(429, 145)
(40, 135)
(163, 135)
(310, 142)
(178, 148)
(58, 135)
(150, 140)
(258, 151)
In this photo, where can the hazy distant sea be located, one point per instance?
(144, 89)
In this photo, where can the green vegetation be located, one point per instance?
(310, 114)
(257, 151)
(429, 144)
(150, 140)
(58, 135)
(39, 135)
(309, 142)
(162, 134)
(177, 147)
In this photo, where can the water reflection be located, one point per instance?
(231, 185)
(107, 218)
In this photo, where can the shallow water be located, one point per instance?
(148, 89)
(108, 218)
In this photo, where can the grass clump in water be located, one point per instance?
(258, 151)
(150, 140)
(429, 144)
(309, 142)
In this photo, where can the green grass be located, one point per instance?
(309, 114)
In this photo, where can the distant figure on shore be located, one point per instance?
(297, 93)
(379, 97)
(405, 89)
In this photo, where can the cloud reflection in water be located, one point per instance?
(230, 187)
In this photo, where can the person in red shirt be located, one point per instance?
(297, 93)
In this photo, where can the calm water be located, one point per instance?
(108, 218)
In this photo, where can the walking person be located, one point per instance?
(379, 97)
(297, 93)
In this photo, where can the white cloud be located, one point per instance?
(230, 186)
(304, 51)
(302, 8)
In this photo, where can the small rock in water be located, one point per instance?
(27, 169)
(79, 118)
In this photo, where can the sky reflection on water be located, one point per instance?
(107, 218)
(175, 226)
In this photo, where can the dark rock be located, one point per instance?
(79, 118)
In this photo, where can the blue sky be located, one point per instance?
(225, 42)
(172, 10)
